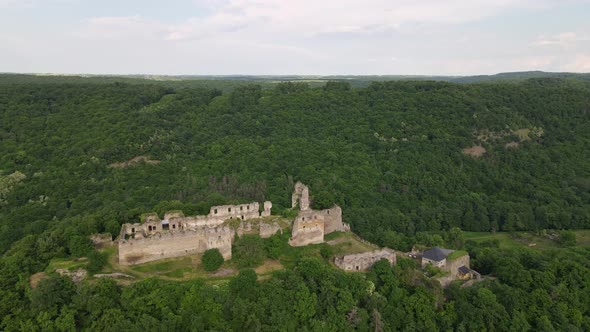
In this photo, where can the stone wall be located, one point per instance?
(268, 230)
(308, 228)
(241, 211)
(364, 261)
(175, 244)
(267, 208)
(300, 196)
(177, 235)
(101, 240)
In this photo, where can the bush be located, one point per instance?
(96, 261)
(567, 238)
(79, 246)
(275, 246)
(248, 251)
(212, 259)
(326, 251)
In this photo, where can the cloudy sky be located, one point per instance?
(273, 37)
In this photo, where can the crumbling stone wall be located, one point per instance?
(241, 211)
(175, 244)
(300, 196)
(364, 261)
(267, 207)
(177, 235)
(268, 230)
(308, 228)
(101, 240)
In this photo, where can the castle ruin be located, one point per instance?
(177, 235)
(364, 261)
(310, 225)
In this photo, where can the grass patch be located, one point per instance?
(456, 254)
(525, 239)
(66, 264)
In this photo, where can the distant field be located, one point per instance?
(525, 239)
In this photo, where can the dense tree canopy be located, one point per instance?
(79, 158)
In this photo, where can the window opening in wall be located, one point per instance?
(328, 211)
(165, 227)
(242, 217)
(248, 207)
(228, 209)
(357, 267)
(133, 230)
(215, 211)
(241, 208)
(303, 219)
(173, 226)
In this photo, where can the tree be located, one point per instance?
(52, 293)
(96, 261)
(79, 246)
(248, 251)
(212, 259)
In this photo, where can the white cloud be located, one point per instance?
(581, 63)
(304, 37)
(563, 39)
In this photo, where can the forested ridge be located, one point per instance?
(391, 155)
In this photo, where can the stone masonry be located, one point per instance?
(310, 225)
(364, 261)
(177, 235)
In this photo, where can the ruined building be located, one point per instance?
(456, 263)
(364, 261)
(177, 235)
(310, 226)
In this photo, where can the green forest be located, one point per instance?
(409, 162)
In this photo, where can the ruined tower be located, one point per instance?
(310, 226)
(267, 207)
(300, 196)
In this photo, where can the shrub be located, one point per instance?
(326, 251)
(79, 246)
(275, 246)
(96, 261)
(212, 259)
(248, 251)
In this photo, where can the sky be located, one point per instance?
(288, 37)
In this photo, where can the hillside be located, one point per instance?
(409, 162)
(392, 155)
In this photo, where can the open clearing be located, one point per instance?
(525, 239)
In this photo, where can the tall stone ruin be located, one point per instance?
(310, 226)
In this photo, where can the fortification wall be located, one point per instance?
(175, 244)
(241, 211)
(364, 261)
(333, 220)
(307, 229)
(268, 230)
